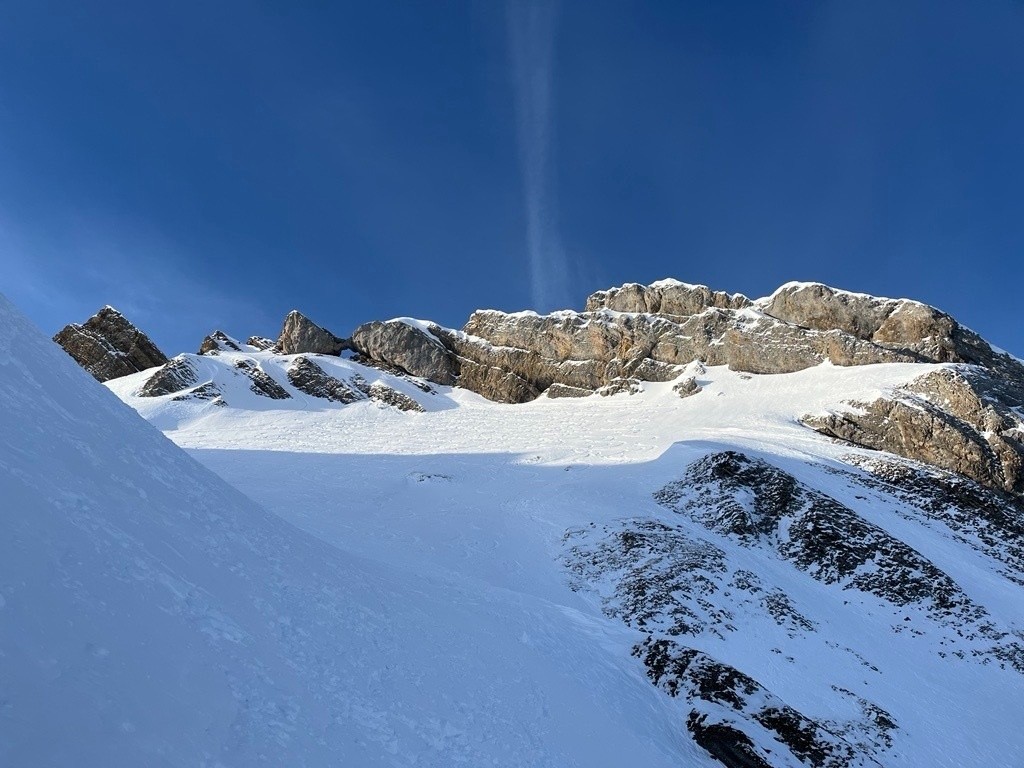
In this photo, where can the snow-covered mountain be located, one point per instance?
(680, 527)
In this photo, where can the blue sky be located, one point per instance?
(203, 165)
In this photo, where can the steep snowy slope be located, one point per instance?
(793, 608)
(152, 615)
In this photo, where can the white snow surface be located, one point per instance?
(390, 591)
(153, 615)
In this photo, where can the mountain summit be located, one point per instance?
(107, 345)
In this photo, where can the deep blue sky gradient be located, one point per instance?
(205, 165)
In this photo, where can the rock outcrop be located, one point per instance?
(730, 707)
(260, 382)
(261, 343)
(176, 375)
(665, 297)
(650, 333)
(301, 335)
(308, 377)
(217, 342)
(108, 346)
(407, 347)
(954, 419)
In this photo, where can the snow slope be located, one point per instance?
(152, 615)
(456, 586)
(518, 501)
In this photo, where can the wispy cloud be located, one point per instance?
(531, 35)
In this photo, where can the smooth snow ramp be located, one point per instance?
(152, 615)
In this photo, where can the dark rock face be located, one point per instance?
(382, 393)
(728, 702)
(708, 570)
(750, 499)
(176, 375)
(970, 513)
(261, 383)
(207, 391)
(218, 341)
(108, 346)
(300, 334)
(306, 376)
(260, 342)
(952, 419)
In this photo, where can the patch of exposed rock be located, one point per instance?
(301, 335)
(217, 342)
(207, 391)
(729, 709)
(978, 517)
(382, 393)
(176, 375)
(952, 418)
(408, 348)
(108, 346)
(561, 390)
(666, 297)
(261, 343)
(260, 382)
(308, 377)
(758, 503)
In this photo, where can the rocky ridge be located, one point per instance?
(648, 333)
(966, 418)
(711, 569)
(108, 346)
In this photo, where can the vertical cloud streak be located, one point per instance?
(531, 37)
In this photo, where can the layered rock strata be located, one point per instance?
(108, 346)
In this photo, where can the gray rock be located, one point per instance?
(729, 707)
(108, 346)
(306, 376)
(261, 343)
(945, 419)
(260, 382)
(561, 390)
(301, 335)
(621, 386)
(176, 375)
(207, 391)
(407, 348)
(667, 297)
(218, 341)
(382, 393)
(687, 387)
